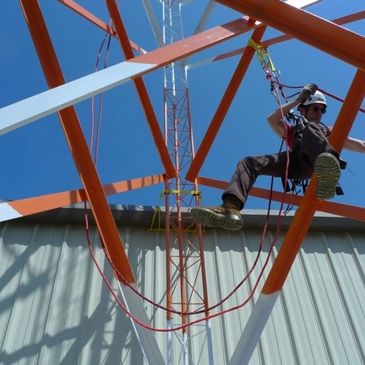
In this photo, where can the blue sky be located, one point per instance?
(35, 159)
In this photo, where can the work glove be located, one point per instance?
(306, 92)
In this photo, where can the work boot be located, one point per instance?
(218, 217)
(328, 171)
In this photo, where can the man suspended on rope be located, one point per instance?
(310, 152)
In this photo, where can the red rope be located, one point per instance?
(333, 96)
(219, 313)
(146, 326)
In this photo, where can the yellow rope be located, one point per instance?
(262, 55)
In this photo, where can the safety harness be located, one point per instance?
(299, 122)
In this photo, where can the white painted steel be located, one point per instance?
(202, 21)
(153, 21)
(254, 327)
(301, 3)
(210, 342)
(204, 18)
(7, 212)
(169, 344)
(146, 338)
(35, 107)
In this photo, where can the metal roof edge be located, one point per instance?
(147, 215)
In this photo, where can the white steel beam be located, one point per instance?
(204, 18)
(7, 212)
(35, 107)
(28, 110)
(156, 29)
(254, 327)
(146, 337)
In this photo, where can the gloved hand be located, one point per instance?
(306, 92)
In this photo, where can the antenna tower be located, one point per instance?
(186, 285)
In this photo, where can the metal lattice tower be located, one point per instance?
(185, 269)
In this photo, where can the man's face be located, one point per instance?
(314, 112)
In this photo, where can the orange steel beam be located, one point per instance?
(73, 5)
(303, 217)
(285, 37)
(223, 107)
(46, 202)
(344, 210)
(142, 91)
(77, 143)
(186, 47)
(322, 34)
(340, 21)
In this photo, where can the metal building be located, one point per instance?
(55, 308)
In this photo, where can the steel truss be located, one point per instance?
(175, 145)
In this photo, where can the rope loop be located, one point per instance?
(263, 56)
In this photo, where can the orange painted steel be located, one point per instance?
(198, 42)
(78, 146)
(348, 111)
(73, 5)
(223, 107)
(340, 21)
(345, 210)
(313, 30)
(282, 38)
(43, 203)
(303, 217)
(142, 91)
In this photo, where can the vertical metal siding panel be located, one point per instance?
(230, 269)
(345, 276)
(47, 277)
(277, 349)
(307, 335)
(293, 296)
(310, 316)
(9, 279)
(217, 289)
(319, 276)
(358, 311)
(18, 310)
(41, 274)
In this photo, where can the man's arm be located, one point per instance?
(275, 119)
(353, 144)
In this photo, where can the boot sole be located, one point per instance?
(328, 171)
(209, 218)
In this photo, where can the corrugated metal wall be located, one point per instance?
(54, 308)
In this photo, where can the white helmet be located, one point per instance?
(316, 98)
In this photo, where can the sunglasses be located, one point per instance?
(316, 108)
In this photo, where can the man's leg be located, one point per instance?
(324, 158)
(248, 169)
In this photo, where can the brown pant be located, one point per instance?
(302, 157)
